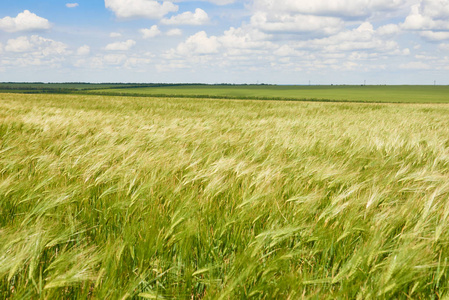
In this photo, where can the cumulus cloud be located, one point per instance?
(151, 32)
(244, 38)
(233, 42)
(25, 21)
(217, 2)
(36, 44)
(362, 38)
(174, 32)
(83, 50)
(388, 30)
(72, 5)
(296, 23)
(221, 2)
(20, 44)
(286, 50)
(131, 9)
(435, 36)
(428, 15)
(199, 43)
(199, 17)
(133, 62)
(121, 46)
(336, 8)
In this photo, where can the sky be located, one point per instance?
(226, 41)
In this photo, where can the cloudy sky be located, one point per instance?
(226, 41)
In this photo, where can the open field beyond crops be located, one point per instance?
(340, 93)
(145, 198)
(5, 86)
(401, 94)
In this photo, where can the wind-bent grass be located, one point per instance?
(116, 198)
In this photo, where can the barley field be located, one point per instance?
(156, 198)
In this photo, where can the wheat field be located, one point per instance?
(152, 198)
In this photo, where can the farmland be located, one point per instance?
(106, 197)
(351, 93)
(329, 93)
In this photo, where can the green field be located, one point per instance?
(152, 198)
(405, 94)
(50, 86)
(350, 93)
(40, 87)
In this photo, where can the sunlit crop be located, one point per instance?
(134, 198)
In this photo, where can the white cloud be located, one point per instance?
(435, 36)
(36, 45)
(199, 43)
(430, 19)
(133, 62)
(362, 38)
(286, 50)
(234, 43)
(217, 2)
(248, 38)
(150, 9)
(150, 32)
(428, 15)
(340, 8)
(83, 50)
(20, 44)
(25, 21)
(296, 23)
(199, 17)
(221, 2)
(388, 30)
(121, 46)
(174, 32)
(115, 34)
(72, 5)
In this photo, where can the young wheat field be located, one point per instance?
(151, 198)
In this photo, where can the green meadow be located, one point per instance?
(369, 93)
(327, 93)
(106, 197)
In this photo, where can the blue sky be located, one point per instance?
(226, 41)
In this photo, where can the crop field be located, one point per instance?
(398, 94)
(49, 86)
(329, 93)
(107, 197)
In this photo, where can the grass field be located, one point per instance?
(145, 198)
(347, 93)
(48, 86)
(403, 94)
(40, 87)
